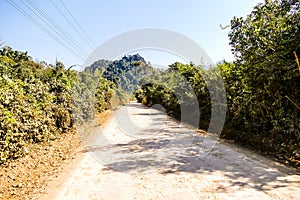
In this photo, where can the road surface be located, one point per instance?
(143, 154)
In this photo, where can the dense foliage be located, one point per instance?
(125, 73)
(266, 100)
(38, 101)
(178, 88)
(91, 93)
(262, 86)
(35, 102)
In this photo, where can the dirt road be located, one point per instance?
(143, 154)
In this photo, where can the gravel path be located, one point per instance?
(143, 154)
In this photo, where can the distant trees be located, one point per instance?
(125, 73)
(181, 85)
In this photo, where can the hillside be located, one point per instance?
(125, 72)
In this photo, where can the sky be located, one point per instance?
(84, 25)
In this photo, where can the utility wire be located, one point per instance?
(56, 25)
(40, 26)
(53, 25)
(82, 29)
(66, 18)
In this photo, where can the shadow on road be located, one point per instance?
(175, 150)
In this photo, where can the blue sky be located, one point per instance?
(197, 19)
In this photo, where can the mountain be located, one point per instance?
(125, 72)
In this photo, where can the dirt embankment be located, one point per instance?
(29, 176)
(22, 178)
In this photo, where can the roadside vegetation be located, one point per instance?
(40, 101)
(262, 85)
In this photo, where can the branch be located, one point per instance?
(297, 61)
(224, 27)
(293, 102)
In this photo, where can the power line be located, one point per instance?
(57, 27)
(82, 29)
(53, 25)
(40, 26)
(66, 18)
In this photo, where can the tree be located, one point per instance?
(270, 34)
(264, 44)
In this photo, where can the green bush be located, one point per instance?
(262, 85)
(38, 101)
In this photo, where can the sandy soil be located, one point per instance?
(143, 154)
(28, 176)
